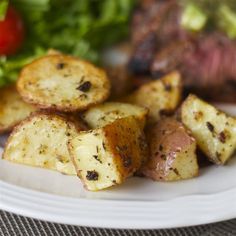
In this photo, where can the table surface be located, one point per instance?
(15, 225)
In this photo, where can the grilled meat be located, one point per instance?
(144, 53)
(207, 62)
(211, 63)
(170, 57)
(148, 18)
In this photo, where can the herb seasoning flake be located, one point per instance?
(210, 126)
(92, 175)
(85, 86)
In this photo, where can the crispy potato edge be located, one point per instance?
(55, 107)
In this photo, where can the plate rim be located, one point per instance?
(186, 210)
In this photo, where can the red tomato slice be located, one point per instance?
(11, 32)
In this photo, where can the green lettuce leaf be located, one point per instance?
(81, 28)
(3, 9)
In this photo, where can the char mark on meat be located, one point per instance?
(142, 58)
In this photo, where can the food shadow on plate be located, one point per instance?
(3, 140)
(202, 159)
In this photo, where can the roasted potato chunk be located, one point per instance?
(172, 152)
(106, 113)
(214, 131)
(12, 108)
(160, 96)
(63, 83)
(41, 141)
(107, 156)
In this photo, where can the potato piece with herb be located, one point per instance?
(172, 152)
(64, 83)
(41, 141)
(107, 156)
(12, 108)
(108, 112)
(214, 131)
(160, 97)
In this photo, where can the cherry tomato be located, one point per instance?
(11, 32)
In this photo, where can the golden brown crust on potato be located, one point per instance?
(63, 83)
(172, 152)
(214, 130)
(128, 144)
(41, 141)
(160, 97)
(12, 108)
(106, 156)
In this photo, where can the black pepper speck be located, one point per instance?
(84, 87)
(210, 126)
(222, 137)
(60, 66)
(92, 175)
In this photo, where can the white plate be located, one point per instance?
(139, 203)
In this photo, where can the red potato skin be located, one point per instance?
(166, 139)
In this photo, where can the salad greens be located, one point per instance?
(193, 18)
(227, 20)
(3, 8)
(78, 27)
(210, 15)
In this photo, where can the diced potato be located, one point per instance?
(41, 141)
(214, 131)
(106, 113)
(12, 108)
(63, 83)
(172, 152)
(107, 156)
(160, 96)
